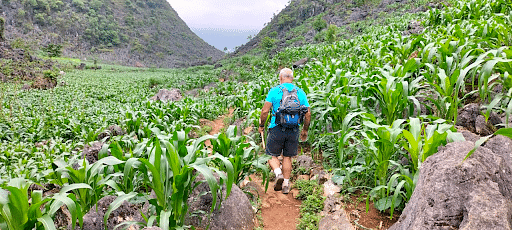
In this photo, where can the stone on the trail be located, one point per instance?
(305, 161)
(25, 87)
(235, 212)
(334, 216)
(452, 194)
(165, 95)
(470, 117)
(330, 188)
(210, 86)
(502, 146)
(303, 177)
(90, 152)
(320, 176)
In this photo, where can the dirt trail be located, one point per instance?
(279, 211)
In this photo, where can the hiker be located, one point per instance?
(290, 108)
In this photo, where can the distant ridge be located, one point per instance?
(129, 32)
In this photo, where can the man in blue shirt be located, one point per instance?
(283, 140)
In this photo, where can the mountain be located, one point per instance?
(307, 21)
(129, 32)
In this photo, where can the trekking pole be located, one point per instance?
(263, 140)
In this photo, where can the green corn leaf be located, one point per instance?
(164, 219)
(47, 222)
(70, 187)
(478, 143)
(210, 179)
(505, 132)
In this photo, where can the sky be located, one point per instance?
(227, 23)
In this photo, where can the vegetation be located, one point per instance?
(312, 194)
(366, 92)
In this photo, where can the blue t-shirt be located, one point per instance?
(275, 94)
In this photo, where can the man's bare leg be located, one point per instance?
(287, 167)
(274, 163)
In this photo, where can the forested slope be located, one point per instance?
(120, 31)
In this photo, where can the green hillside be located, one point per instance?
(315, 21)
(119, 31)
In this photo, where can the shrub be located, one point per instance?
(2, 21)
(330, 35)
(267, 44)
(53, 50)
(154, 82)
(319, 24)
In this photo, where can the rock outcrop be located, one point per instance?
(456, 194)
(471, 118)
(235, 212)
(165, 95)
(334, 216)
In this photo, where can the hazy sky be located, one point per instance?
(227, 14)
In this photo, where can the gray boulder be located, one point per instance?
(452, 194)
(165, 95)
(235, 212)
(305, 161)
(93, 220)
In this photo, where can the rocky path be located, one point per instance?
(279, 211)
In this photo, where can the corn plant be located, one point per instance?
(20, 209)
(93, 175)
(242, 154)
(421, 142)
(172, 167)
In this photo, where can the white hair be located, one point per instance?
(286, 72)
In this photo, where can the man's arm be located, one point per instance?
(305, 127)
(264, 114)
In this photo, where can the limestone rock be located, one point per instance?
(452, 194)
(165, 95)
(335, 217)
(93, 220)
(90, 152)
(305, 161)
(112, 131)
(470, 118)
(235, 212)
(330, 188)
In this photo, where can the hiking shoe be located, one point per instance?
(286, 189)
(278, 183)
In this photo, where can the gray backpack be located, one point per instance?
(290, 113)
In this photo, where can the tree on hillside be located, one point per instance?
(2, 21)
